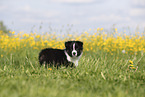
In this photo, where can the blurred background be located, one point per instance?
(69, 16)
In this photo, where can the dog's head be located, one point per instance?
(74, 48)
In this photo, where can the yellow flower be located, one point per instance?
(131, 62)
(133, 68)
(86, 32)
(131, 65)
(26, 35)
(2, 56)
(115, 29)
(37, 36)
(98, 29)
(13, 32)
(50, 69)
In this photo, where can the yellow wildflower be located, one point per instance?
(131, 65)
(115, 29)
(37, 36)
(133, 68)
(98, 29)
(131, 62)
(13, 32)
(2, 56)
(50, 69)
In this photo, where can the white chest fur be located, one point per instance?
(73, 59)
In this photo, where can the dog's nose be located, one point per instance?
(74, 53)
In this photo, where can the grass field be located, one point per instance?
(108, 67)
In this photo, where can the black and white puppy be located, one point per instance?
(67, 57)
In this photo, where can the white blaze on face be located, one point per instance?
(74, 52)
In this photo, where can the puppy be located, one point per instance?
(66, 57)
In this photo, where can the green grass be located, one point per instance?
(99, 74)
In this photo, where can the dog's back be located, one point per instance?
(52, 57)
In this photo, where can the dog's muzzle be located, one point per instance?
(74, 53)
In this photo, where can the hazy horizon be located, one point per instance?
(72, 15)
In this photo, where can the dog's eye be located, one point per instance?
(79, 48)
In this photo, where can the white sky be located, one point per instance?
(28, 15)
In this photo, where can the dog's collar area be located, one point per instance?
(72, 59)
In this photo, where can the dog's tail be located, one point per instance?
(41, 59)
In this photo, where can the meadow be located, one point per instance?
(112, 65)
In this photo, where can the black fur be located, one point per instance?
(78, 46)
(57, 57)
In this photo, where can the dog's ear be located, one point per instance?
(80, 43)
(67, 44)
